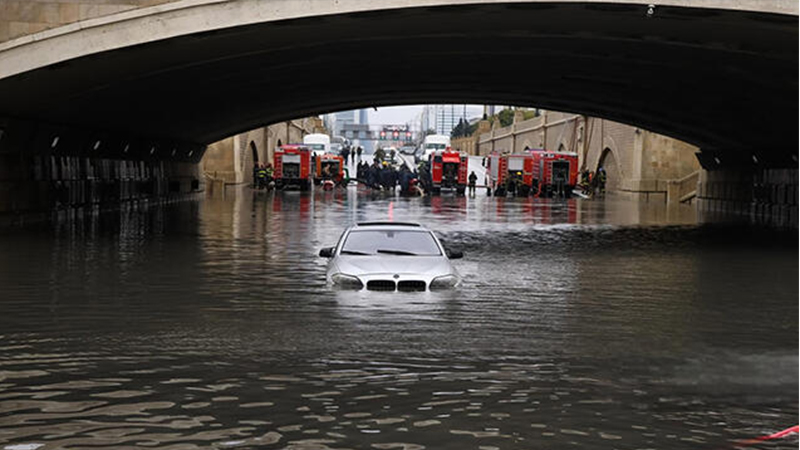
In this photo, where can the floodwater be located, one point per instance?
(580, 324)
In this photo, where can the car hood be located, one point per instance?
(393, 264)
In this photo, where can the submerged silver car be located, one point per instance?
(389, 256)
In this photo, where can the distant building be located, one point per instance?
(442, 118)
(363, 120)
(343, 118)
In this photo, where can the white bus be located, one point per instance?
(318, 143)
(434, 142)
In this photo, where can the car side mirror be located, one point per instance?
(326, 252)
(454, 254)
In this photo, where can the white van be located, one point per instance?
(318, 143)
(434, 142)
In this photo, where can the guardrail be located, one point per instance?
(684, 189)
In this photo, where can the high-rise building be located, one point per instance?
(442, 118)
(343, 118)
(363, 119)
(447, 118)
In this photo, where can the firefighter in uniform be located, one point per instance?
(473, 179)
(262, 177)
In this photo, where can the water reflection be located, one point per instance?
(209, 325)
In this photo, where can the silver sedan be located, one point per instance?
(389, 256)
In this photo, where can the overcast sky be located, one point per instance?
(398, 115)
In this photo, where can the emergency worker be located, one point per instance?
(360, 171)
(385, 175)
(373, 175)
(601, 175)
(256, 168)
(425, 176)
(404, 179)
(473, 179)
(270, 172)
(380, 154)
(584, 183)
(262, 177)
(359, 150)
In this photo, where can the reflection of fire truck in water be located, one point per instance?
(538, 172)
(293, 167)
(329, 170)
(448, 171)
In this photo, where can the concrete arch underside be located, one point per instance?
(196, 72)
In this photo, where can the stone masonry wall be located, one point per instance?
(22, 17)
(231, 160)
(637, 161)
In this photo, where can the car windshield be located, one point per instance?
(390, 242)
(435, 146)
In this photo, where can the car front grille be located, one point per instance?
(411, 285)
(381, 285)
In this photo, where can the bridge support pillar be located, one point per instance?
(760, 195)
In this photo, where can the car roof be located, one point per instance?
(388, 225)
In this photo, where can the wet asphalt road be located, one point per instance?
(580, 324)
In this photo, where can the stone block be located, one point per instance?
(29, 11)
(17, 29)
(12, 10)
(87, 11)
(37, 27)
(68, 13)
(107, 10)
(49, 13)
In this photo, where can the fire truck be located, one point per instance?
(554, 173)
(293, 167)
(334, 164)
(511, 173)
(448, 171)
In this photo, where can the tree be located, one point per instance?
(506, 117)
(459, 130)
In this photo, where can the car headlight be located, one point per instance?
(346, 281)
(444, 282)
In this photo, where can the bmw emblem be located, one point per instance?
(396, 276)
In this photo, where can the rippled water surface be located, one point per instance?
(208, 324)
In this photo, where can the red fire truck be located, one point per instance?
(554, 173)
(511, 173)
(293, 167)
(329, 167)
(448, 171)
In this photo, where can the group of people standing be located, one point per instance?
(262, 175)
(593, 183)
(351, 153)
(384, 176)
